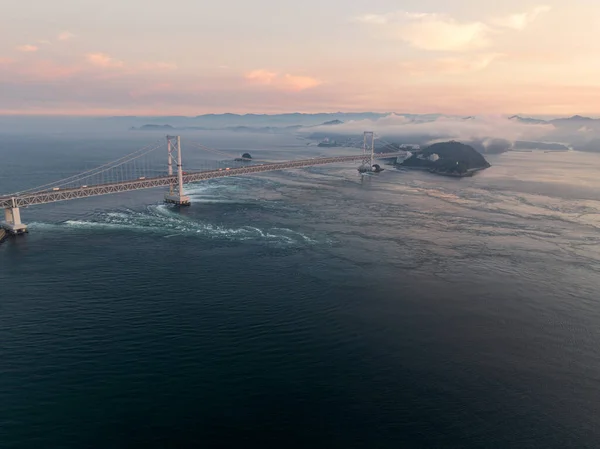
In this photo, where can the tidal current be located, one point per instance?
(305, 308)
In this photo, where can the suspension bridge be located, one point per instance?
(135, 171)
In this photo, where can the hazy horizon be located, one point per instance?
(296, 112)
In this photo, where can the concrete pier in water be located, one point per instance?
(12, 220)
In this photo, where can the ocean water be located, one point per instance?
(307, 308)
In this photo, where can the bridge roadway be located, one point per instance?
(51, 196)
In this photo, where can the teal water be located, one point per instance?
(309, 308)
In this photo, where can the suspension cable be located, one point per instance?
(97, 170)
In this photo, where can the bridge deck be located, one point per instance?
(51, 196)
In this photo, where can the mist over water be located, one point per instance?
(303, 308)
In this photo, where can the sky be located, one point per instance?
(189, 57)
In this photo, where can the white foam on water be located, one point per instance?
(36, 225)
(213, 193)
(161, 219)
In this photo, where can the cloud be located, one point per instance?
(93, 66)
(377, 19)
(443, 127)
(90, 91)
(288, 82)
(27, 48)
(103, 60)
(44, 42)
(439, 32)
(462, 65)
(436, 32)
(65, 36)
(261, 76)
(42, 71)
(158, 66)
(520, 21)
(296, 83)
(429, 31)
(451, 65)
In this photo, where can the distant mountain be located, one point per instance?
(574, 118)
(257, 120)
(239, 128)
(531, 121)
(528, 145)
(222, 121)
(581, 133)
(152, 127)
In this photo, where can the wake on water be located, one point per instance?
(163, 220)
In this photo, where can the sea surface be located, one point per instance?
(308, 308)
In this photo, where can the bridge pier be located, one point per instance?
(174, 143)
(12, 220)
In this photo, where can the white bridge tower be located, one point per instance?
(368, 152)
(176, 197)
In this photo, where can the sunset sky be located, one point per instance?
(188, 57)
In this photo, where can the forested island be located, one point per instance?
(447, 159)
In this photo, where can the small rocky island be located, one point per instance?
(447, 159)
(327, 143)
(246, 157)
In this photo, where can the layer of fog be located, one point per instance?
(486, 130)
(485, 133)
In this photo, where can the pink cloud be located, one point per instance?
(103, 60)
(449, 65)
(261, 76)
(286, 82)
(297, 83)
(521, 20)
(158, 66)
(86, 95)
(96, 66)
(83, 85)
(65, 36)
(27, 48)
(43, 71)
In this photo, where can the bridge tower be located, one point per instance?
(12, 221)
(174, 152)
(368, 152)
